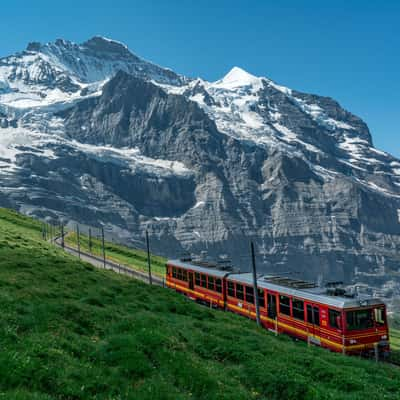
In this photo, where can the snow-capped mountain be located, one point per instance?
(93, 133)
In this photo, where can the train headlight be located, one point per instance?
(353, 341)
(384, 337)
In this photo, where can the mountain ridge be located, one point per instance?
(93, 133)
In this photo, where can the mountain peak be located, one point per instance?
(238, 73)
(40, 47)
(33, 46)
(105, 45)
(238, 77)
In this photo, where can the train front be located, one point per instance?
(366, 330)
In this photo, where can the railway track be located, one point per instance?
(98, 262)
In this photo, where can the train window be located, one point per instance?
(203, 280)
(174, 272)
(239, 291)
(180, 274)
(184, 275)
(298, 309)
(379, 316)
(218, 284)
(197, 277)
(249, 294)
(316, 315)
(313, 315)
(211, 283)
(309, 314)
(359, 319)
(334, 318)
(284, 305)
(261, 298)
(231, 289)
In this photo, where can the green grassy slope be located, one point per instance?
(68, 331)
(137, 259)
(394, 334)
(395, 339)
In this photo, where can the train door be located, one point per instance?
(271, 301)
(313, 319)
(271, 307)
(272, 312)
(191, 280)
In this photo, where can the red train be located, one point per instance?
(326, 317)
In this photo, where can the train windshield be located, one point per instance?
(379, 315)
(365, 318)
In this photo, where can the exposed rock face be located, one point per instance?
(94, 134)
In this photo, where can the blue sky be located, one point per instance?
(348, 50)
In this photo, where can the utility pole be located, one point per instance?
(62, 236)
(148, 256)
(104, 250)
(78, 240)
(90, 240)
(256, 303)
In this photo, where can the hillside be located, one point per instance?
(69, 331)
(395, 338)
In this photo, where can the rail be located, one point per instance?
(110, 265)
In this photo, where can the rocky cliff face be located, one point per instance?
(94, 134)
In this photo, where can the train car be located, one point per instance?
(323, 316)
(201, 281)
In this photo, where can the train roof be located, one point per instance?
(288, 286)
(305, 290)
(203, 267)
